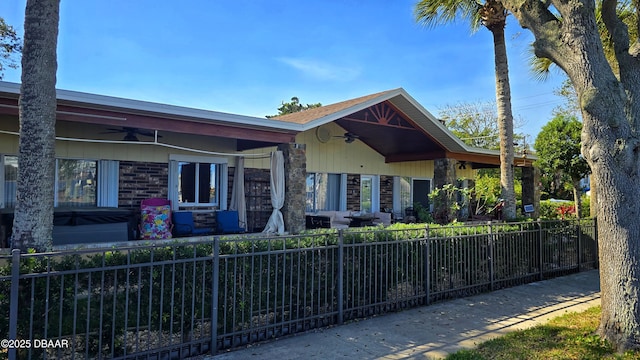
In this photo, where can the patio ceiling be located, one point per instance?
(111, 112)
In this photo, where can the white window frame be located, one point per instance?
(342, 201)
(375, 192)
(221, 180)
(108, 172)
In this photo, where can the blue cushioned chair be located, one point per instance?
(183, 225)
(227, 222)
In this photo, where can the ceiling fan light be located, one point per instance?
(130, 137)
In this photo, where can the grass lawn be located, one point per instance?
(570, 336)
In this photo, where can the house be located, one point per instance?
(380, 151)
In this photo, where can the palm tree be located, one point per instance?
(492, 15)
(33, 220)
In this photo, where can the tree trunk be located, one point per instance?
(576, 198)
(610, 144)
(505, 121)
(33, 221)
(593, 198)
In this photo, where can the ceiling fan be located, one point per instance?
(131, 133)
(348, 137)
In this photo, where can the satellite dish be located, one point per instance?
(323, 134)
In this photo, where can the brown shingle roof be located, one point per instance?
(309, 115)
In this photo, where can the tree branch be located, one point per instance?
(536, 16)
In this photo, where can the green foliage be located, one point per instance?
(559, 159)
(448, 202)
(10, 46)
(486, 193)
(563, 209)
(423, 213)
(293, 107)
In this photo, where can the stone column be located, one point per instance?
(531, 189)
(295, 174)
(444, 172)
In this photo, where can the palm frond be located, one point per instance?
(432, 13)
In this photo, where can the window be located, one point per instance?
(198, 181)
(366, 194)
(75, 185)
(405, 194)
(323, 192)
(10, 180)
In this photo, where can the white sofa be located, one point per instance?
(337, 218)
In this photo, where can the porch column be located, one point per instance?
(444, 172)
(531, 189)
(295, 175)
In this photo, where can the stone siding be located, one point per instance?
(295, 170)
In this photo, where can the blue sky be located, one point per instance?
(248, 56)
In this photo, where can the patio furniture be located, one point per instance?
(361, 220)
(155, 220)
(227, 222)
(410, 215)
(382, 218)
(183, 225)
(318, 222)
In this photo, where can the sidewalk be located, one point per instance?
(436, 330)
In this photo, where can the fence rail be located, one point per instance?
(174, 300)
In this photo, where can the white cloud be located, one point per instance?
(322, 70)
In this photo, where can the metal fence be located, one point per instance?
(174, 300)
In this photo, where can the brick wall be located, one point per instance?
(386, 192)
(140, 181)
(353, 192)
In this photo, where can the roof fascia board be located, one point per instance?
(435, 121)
(89, 100)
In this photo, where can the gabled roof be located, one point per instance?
(409, 145)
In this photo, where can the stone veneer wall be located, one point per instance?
(386, 192)
(444, 172)
(531, 190)
(295, 173)
(353, 192)
(140, 181)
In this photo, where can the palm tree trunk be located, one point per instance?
(505, 121)
(33, 220)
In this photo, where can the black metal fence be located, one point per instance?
(174, 300)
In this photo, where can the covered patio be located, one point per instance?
(135, 150)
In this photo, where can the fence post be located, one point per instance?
(541, 255)
(579, 229)
(491, 246)
(427, 267)
(215, 283)
(340, 277)
(13, 307)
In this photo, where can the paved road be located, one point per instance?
(436, 330)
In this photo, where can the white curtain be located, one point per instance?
(238, 200)
(276, 221)
(108, 174)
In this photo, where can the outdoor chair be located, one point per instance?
(227, 222)
(155, 219)
(183, 225)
